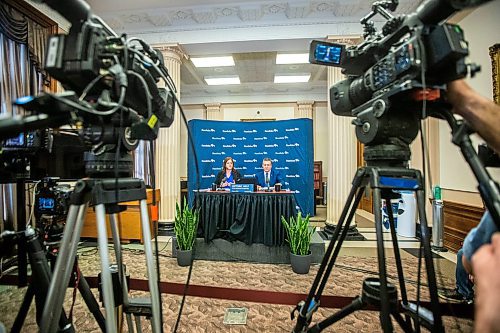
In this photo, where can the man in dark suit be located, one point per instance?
(268, 177)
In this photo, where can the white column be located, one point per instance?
(304, 109)
(167, 160)
(214, 111)
(341, 157)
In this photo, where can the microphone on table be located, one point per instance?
(223, 181)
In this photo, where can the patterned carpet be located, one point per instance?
(206, 315)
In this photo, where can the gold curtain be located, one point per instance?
(495, 67)
(17, 76)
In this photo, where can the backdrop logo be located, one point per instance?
(229, 146)
(219, 153)
(218, 138)
(229, 131)
(250, 131)
(208, 161)
(275, 160)
(293, 161)
(282, 168)
(208, 146)
(281, 137)
(271, 130)
(208, 176)
(242, 168)
(250, 161)
(293, 145)
(261, 153)
(240, 139)
(207, 130)
(292, 129)
(242, 153)
(260, 139)
(250, 146)
(271, 146)
(216, 169)
(282, 153)
(292, 176)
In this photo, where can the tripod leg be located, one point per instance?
(107, 284)
(326, 265)
(63, 268)
(152, 277)
(385, 319)
(91, 302)
(130, 324)
(356, 304)
(340, 241)
(119, 260)
(23, 311)
(397, 257)
(429, 264)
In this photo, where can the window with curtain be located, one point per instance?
(22, 50)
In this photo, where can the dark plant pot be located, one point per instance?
(184, 257)
(300, 264)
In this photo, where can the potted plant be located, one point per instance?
(299, 238)
(186, 226)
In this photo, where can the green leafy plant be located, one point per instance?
(186, 226)
(299, 234)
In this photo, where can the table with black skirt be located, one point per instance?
(247, 217)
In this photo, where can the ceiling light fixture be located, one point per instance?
(213, 61)
(222, 80)
(292, 78)
(292, 58)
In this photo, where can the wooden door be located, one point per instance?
(366, 200)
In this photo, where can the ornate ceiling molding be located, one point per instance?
(263, 13)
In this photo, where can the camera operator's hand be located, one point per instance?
(486, 267)
(481, 113)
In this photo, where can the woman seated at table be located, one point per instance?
(228, 175)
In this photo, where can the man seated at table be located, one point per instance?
(268, 177)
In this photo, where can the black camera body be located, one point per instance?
(52, 198)
(52, 201)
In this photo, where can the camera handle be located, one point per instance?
(488, 188)
(380, 293)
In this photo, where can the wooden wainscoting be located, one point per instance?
(459, 219)
(129, 221)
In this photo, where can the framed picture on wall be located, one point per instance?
(495, 68)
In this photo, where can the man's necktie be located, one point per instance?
(267, 177)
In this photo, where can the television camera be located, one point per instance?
(395, 78)
(112, 100)
(396, 71)
(112, 95)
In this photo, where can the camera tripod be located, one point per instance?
(40, 283)
(105, 194)
(377, 291)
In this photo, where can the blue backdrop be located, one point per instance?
(288, 143)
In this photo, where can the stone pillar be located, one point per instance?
(214, 112)
(304, 109)
(341, 156)
(167, 161)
